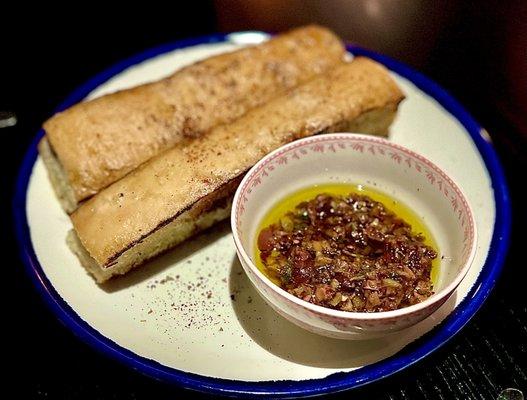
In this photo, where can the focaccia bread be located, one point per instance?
(95, 143)
(189, 187)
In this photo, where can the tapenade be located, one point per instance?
(349, 253)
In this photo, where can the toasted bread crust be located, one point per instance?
(200, 216)
(57, 176)
(99, 141)
(159, 191)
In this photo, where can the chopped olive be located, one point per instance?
(348, 253)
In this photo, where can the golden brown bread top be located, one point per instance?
(99, 141)
(159, 190)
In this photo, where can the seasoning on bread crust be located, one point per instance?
(169, 198)
(95, 143)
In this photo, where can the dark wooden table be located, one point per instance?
(478, 52)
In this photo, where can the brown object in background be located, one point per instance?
(404, 29)
(95, 143)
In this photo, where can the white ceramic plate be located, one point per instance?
(192, 317)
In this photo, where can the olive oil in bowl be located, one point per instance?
(401, 210)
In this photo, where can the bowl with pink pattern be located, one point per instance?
(366, 160)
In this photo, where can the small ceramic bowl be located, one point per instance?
(370, 161)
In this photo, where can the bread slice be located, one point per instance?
(175, 194)
(97, 142)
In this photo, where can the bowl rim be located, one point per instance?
(444, 293)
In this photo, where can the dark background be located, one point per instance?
(476, 50)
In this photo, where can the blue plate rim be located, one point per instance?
(335, 382)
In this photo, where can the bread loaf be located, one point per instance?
(95, 143)
(189, 187)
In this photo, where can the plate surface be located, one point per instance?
(191, 317)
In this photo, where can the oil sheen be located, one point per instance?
(289, 203)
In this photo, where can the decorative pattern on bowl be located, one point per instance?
(389, 167)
